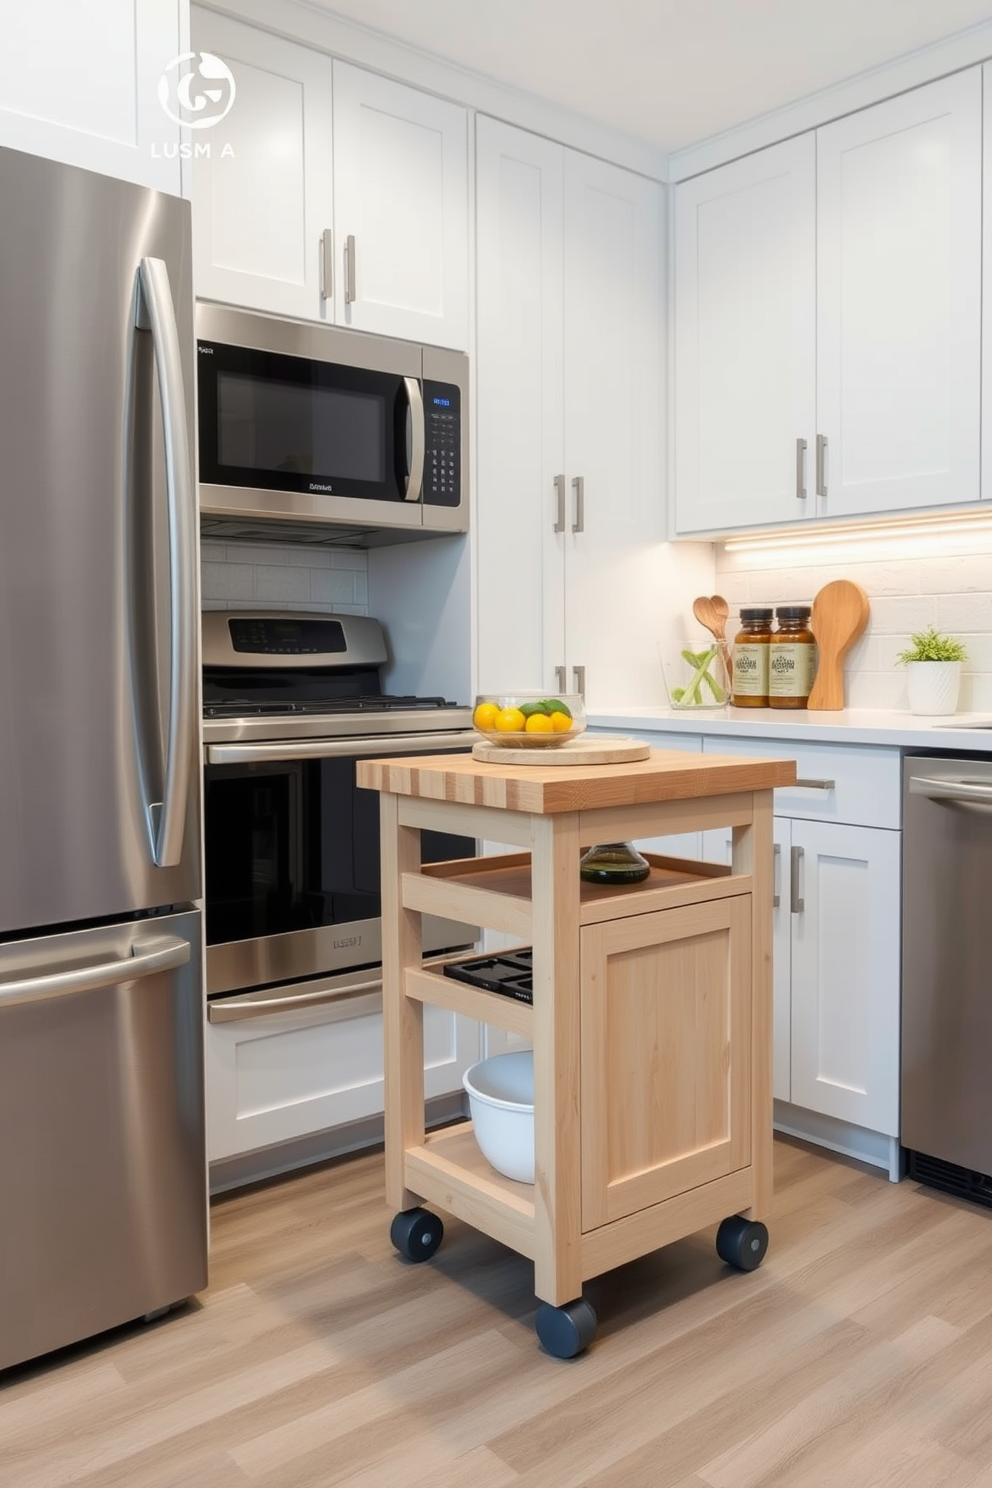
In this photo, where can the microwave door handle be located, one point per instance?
(155, 312)
(415, 480)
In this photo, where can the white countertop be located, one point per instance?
(898, 730)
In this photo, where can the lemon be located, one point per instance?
(560, 722)
(539, 723)
(510, 721)
(485, 717)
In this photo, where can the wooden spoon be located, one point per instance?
(712, 614)
(840, 614)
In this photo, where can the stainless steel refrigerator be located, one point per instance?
(102, 1154)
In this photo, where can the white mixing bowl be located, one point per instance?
(501, 1100)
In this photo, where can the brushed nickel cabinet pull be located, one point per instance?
(560, 505)
(349, 262)
(326, 264)
(579, 525)
(579, 674)
(560, 682)
(776, 874)
(817, 785)
(796, 902)
(801, 469)
(821, 465)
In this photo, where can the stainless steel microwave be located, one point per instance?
(311, 425)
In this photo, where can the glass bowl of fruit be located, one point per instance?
(531, 719)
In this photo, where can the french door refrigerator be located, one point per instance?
(103, 1213)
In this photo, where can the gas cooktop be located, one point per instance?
(272, 677)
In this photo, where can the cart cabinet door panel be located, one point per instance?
(666, 1055)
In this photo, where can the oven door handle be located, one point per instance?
(310, 749)
(235, 1010)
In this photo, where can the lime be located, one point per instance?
(555, 705)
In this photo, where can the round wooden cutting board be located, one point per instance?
(598, 750)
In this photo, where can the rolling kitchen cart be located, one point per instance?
(650, 1023)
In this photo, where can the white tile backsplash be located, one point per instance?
(952, 590)
(292, 576)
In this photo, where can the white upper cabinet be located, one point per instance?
(899, 190)
(258, 214)
(80, 83)
(828, 290)
(745, 339)
(344, 197)
(400, 210)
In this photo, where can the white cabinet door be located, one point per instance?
(290, 1075)
(717, 847)
(845, 972)
(79, 84)
(745, 340)
(400, 210)
(259, 213)
(899, 191)
(987, 280)
(620, 580)
(520, 430)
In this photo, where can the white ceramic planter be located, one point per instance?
(933, 686)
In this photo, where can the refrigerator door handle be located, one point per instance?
(147, 957)
(155, 312)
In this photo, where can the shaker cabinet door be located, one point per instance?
(259, 213)
(745, 341)
(400, 210)
(521, 506)
(665, 1055)
(899, 300)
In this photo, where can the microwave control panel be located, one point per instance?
(442, 457)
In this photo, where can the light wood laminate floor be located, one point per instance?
(858, 1356)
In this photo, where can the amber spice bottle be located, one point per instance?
(792, 658)
(750, 659)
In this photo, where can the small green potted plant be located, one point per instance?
(933, 671)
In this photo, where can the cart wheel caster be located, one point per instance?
(742, 1242)
(566, 1331)
(416, 1233)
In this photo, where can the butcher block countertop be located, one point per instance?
(665, 775)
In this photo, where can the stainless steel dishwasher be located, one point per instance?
(947, 974)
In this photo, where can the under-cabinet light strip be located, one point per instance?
(956, 529)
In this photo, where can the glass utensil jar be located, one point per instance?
(613, 863)
(751, 656)
(791, 658)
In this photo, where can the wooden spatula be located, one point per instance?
(840, 614)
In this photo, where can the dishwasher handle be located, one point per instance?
(965, 792)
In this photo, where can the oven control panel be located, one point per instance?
(442, 456)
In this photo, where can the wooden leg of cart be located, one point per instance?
(402, 1017)
(566, 1324)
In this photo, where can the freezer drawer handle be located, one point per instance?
(155, 312)
(147, 957)
(967, 792)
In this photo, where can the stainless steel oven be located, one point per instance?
(291, 701)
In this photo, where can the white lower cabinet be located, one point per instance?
(283, 1077)
(836, 945)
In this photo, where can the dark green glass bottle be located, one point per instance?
(614, 863)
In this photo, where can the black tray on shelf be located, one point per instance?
(511, 974)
